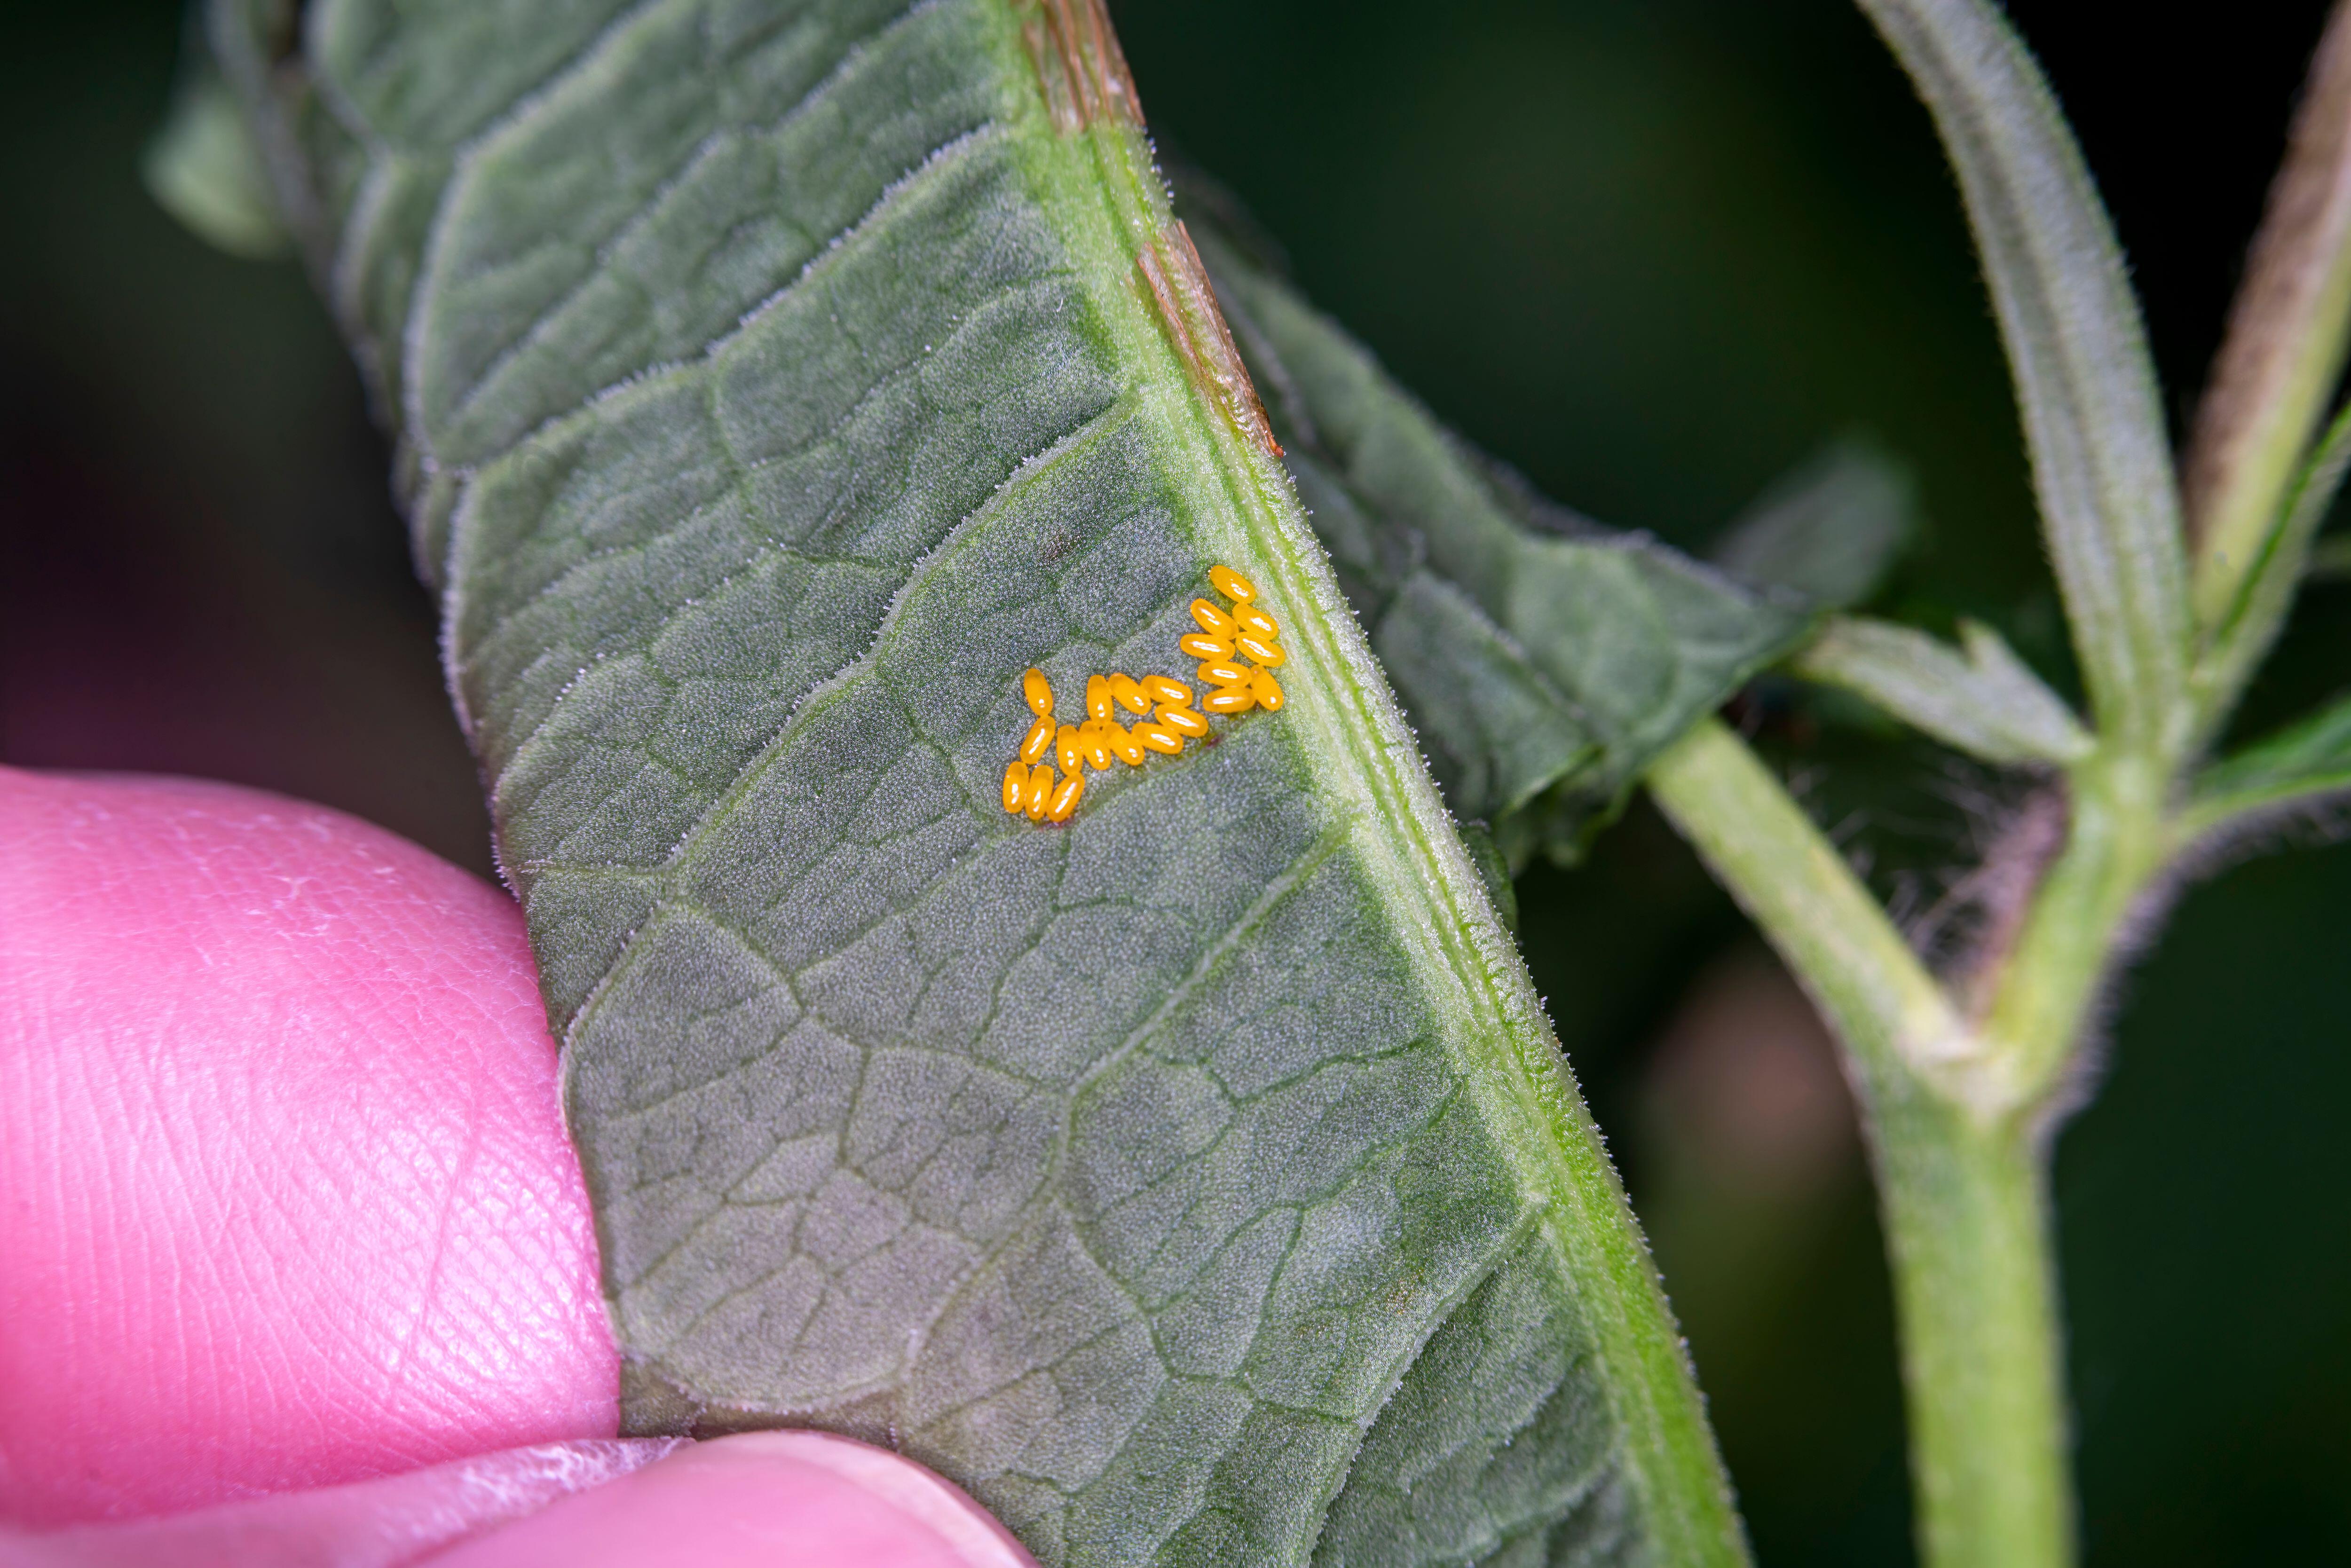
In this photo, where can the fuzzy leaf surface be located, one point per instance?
(1198, 1182)
(2085, 385)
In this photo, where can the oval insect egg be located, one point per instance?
(1128, 693)
(1229, 700)
(1040, 741)
(1200, 646)
(1270, 654)
(1031, 785)
(1213, 621)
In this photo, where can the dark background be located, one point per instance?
(1651, 251)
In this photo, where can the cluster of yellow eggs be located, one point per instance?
(1238, 650)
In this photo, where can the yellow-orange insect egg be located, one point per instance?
(1182, 720)
(1123, 744)
(1270, 654)
(1159, 738)
(1213, 621)
(1094, 741)
(1040, 790)
(1256, 622)
(1200, 646)
(1168, 689)
(1066, 749)
(1097, 697)
(1066, 798)
(1039, 742)
(1222, 674)
(1128, 693)
(1267, 690)
(1038, 692)
(1229, 700)
(1016, 786)
(1231, 583)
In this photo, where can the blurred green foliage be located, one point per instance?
(1651, 252)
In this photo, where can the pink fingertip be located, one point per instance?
(284, 1194)
(762, 1499)
(396, 1522)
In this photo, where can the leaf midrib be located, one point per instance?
(1539, 1109)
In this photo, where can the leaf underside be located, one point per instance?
(1196, 1182)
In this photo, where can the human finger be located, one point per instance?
(805, 1499)
(284, 1194)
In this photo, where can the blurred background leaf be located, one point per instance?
(1650, 253)
(1830, 529)
(1541, 659)
(205, 170)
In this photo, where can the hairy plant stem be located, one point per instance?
(1966, 1227)
(2284, 346)
(2118, 841)
(1954, 1135)
(1958, 1102)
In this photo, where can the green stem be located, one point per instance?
(1959, 1167)
(1967, 1234)
(1886, 1009)
(2116, 842)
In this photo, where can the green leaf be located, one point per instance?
(1543, 660)
(1198, 1182)
(1985, 701)
(1830, 531)
(203, 169)
(2299, 766)
(2085, 386)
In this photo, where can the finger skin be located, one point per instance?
(756, 1500)
(393, 1521)
(803, 1498)
(284, 1197)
